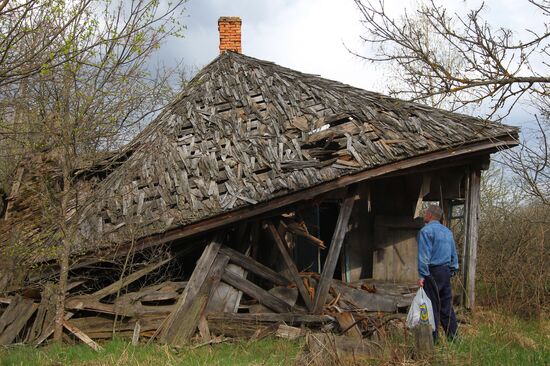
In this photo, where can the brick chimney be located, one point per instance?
(230, 34)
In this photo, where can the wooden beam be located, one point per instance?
(82, 336)
(471, 221)
(256, 292)
(289, 318)
(290, 265)
(253, 266)
(171, 330)
(301, 231)
(195, 306)
(348, 325)
(14, 318)
(333, 253)
(114, 287)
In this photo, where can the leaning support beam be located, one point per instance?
(333, 253)
(14, 319)
(253, 266)
(82, 336)
(116, 286)
(288, 318)
(256, 292)
(471, 220)
(173, 333)
(295, 275)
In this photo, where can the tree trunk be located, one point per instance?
(63, 255)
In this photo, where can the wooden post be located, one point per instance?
(423, 341)
(333, 253)
(177, 331)
(471, 220)
(290, 265)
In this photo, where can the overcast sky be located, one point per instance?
(310, 35)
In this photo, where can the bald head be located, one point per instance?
(433, 212)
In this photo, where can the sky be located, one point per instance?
(312, 35)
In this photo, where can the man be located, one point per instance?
(437, 263)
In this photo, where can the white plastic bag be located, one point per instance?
(421, 311)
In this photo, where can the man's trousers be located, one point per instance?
(438, 288)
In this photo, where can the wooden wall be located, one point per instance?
(381, 242)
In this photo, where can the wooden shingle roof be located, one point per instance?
(246, 131)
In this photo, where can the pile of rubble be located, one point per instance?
(229, 293)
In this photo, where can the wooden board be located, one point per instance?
(291, 266)
(333, 253)
(471, 221)
(253, 266)
(195, 306)
(82, 336)
(358, 244)
(348, 326)
(256, 292)
(173, 333)
(289, 318)
(354, 299)
(225, 297)
(44, 315)
(396, 250)
(14, 318)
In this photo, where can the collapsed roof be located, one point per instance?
(246, 131)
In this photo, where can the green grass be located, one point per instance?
(492, 339)
(269, 351)
(489, 339)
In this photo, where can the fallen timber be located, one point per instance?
(272, 301)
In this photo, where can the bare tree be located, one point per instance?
(457, 61)
(85, 91)
(492, 66)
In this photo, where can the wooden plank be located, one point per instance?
(171, 330)
(204, 331)
(225, 297)
(309, 193)
(194, 307)
(162, 291)
(122, 309)
(363, 300)
(301, 230)
(471, 237)
(347, 324)
(135, 334)
(424, 190)
(49, 330)
(116, 286)
(423, 341)
(289, 318)
(82, 336)
(45, 313)
(290, 265)
(256, 292)
(14, 318)
(102, 327)
(255, 267)
(288, 332)
(333, 253)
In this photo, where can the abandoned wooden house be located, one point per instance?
(261, 195)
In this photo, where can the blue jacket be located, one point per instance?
(436, 246)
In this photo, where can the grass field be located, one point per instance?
(489, 339)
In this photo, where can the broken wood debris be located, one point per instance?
(276, 302)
